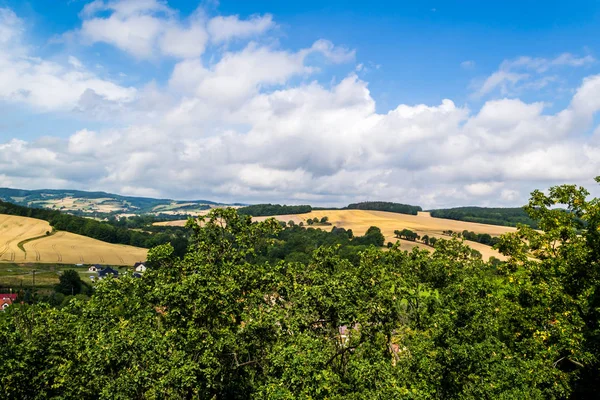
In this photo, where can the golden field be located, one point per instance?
(61, 248)
(424, 224)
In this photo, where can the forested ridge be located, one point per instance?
(485, 215)
(241, 317)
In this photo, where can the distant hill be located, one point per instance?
(84, 203)
(385, 206)
(485, 215)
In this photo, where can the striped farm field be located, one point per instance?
(60, 248)
(423, 224)
(13, 230)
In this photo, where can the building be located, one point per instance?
(139, 267)
(4, 303)
(95, 268)
(103, 273)
(6, 299)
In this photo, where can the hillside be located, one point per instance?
(24, 239)
(360, 220)
(101, 203)
(486, 215)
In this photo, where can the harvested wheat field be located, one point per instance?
(61, 247)
(424, 224)
(13, 230)
(360, 220)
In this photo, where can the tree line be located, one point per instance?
(262, 210)
(385, 206)
(484, 215)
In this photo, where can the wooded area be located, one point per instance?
(240, 317)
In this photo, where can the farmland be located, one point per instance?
(60, 248)
(423, 224)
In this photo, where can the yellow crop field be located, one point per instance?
(423, 223)
(61, 248)
(14, 229)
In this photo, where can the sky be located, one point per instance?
(433, 103)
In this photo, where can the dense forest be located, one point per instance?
(262, 210)
(385, 206)
(259, 311)
(484, 215)
(111, 231)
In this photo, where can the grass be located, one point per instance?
(17, 275)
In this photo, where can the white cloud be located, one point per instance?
(143, 28)
(222, 29)
(48, 85)
(11, 26)
(524, 72)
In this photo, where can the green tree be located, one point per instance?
(69, 283)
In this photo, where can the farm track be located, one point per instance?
(38, 257)
(57, 253)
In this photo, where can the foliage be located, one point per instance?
(407, 234)
(484, 215)
(231, 320)
(70, 283)
(385, 206)
(483, 238)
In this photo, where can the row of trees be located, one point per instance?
(315, 220)
(413, 236)
(224, 322)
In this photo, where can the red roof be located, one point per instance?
(10, 296)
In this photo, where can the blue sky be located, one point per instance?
(470, 102)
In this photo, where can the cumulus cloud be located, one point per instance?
(149, 28)
(253, 124)
(222, 29)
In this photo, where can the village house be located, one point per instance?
(6, 299)
(139, 267)
(95, 268)
(103, 273)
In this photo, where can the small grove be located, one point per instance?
(238, 317)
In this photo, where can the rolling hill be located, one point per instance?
(422, 223)
(24, 239)
(101, 203)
